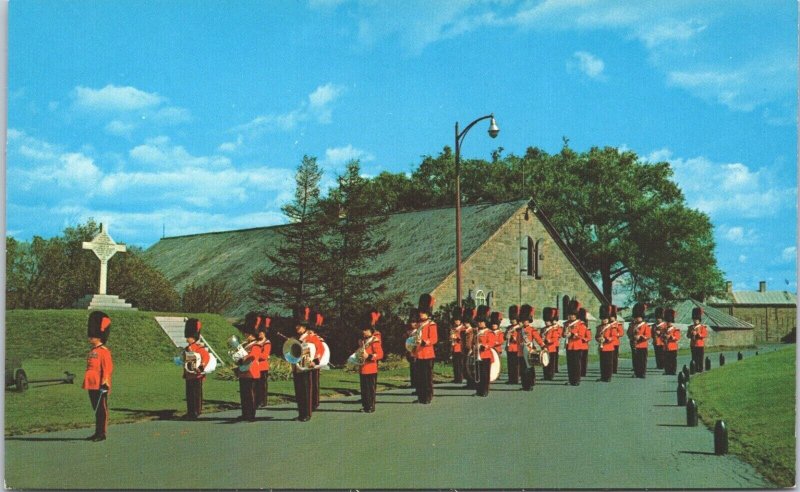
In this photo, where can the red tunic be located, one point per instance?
(374, 353)
(499, 339)
(196, 347)
(576, 335)
(456, 339)
(697, 335)
(513, 340)
(99, 367)
(532, 335)
(319, 349)
(552, 336)
(486, 341)
(605, 337)
(658, 331)
(263, 358)
(429, 336)
(253, 372)
(671, 337)
(641, 335)
(620, 332)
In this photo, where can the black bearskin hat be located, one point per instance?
(458, 313)
(513, 312)
(302, 316)
(614, 311)
(547, 314)
(573, 307)
(483, 314)
(659, 313)
(669, 315)
(266, 321)
(469, 315)
(605, 311)
(697, 313)
(98, 326)
(526, 313)
(426, 304)
(191, 329)
(413, 314)
(252, 320)
(496, 318)
(583, 315)
(370, 319)
(639, 309)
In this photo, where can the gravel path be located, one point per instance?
(625, 434)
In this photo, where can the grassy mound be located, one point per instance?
(756, 399)
(135, 335)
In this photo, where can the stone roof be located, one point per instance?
(421, 248)
(712, 317)
(769, 297)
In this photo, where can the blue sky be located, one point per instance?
(194, 115)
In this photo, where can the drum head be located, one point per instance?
(212, 364)
(411, 344)
(326, 356)
(545, 358)
(494, 370)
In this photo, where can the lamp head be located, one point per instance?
(493, 128)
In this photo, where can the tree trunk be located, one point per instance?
(608, 283)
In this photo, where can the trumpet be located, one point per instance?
(238, 352)
(359, 357)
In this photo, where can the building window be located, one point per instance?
(564, 307)
(523, 256)
(538, 256)
(480, 298)
(531, 257)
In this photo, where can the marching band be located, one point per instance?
(476, 342)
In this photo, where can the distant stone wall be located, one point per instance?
(770, 322)
(495, 267)
(730, 338)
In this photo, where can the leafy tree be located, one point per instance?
(130, 277)
(210, 297)
(294, 277)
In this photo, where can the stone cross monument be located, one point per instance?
(104, 248)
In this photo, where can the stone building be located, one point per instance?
(511, 255)
(773, 313)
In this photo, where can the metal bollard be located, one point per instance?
(692, 367)
(681, 395)
(691, 413)
(685, 371)
(721, 359)
(708, 363)
(739, 356)
(720, 438)
(681, 378)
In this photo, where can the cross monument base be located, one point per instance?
(104, 302)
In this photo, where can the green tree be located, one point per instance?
(293, 278)
(131, 278)
(210, 297)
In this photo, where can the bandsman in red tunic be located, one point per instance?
(606, 333)
(484, 347)
(620, 328)
(194, 377)
(262, 387)
(528, 337)
(697, 334)
(467, 342)
(370, 351)
(99, 366)
(498, 337)
(658, 339)
(512, 345)
(248, 369)
(551, 335)
(671, 335)
(427, 336)
(411, 329)
(640, 333)
(576, 333)
(457, 344)
(583, 315)
(304, 318)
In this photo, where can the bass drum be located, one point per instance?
(212, 364)
(411, 344)
(326, 357)
(494, 370)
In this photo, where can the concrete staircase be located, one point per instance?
(173, 327)
(103, 302)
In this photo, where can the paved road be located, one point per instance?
(625, 434)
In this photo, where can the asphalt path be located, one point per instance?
(628, 433)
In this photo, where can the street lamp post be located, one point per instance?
(493, 131)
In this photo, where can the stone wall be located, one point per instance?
(495, 267)
(770, 322)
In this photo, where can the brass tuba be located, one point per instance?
(299, 354)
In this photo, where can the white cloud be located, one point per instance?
(589, 64)
(742, 259)
(231, 146)
(161, 152)
(172, 115)
(336, 156)
(728, 190)
(119, 128)
(670, 31)
(789, 254)
(113, 98)
(738, 235)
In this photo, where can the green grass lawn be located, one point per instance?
(143, 391)
(756, 399)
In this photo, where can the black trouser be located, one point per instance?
(640, 362)
(514, 367)
(262, 385)
(633, 357)
(606, 365)
(369, 384)
(302, 393)
(315, 388)
(424, 373)
(412, 362)
(528, 375)
(550, 369)
(458, 367)
(698, 354)
(574, 366)
(247, 397)
(584, 361)
(483, 370)
(469, 374)
(100, 405)
(194, 397)
(556, 366)
(616, 358)
(670, 362)
(659, 352)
